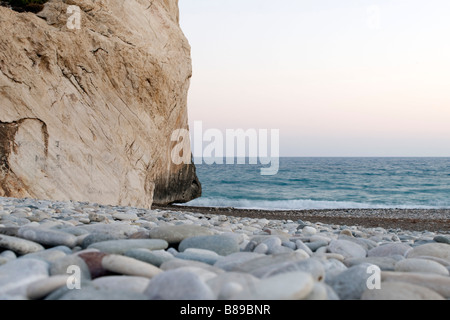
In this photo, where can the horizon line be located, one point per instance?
(281, 156)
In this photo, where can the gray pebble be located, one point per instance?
(176, 234)
(96, 237)
(286, 286)
(49, 255)
(351, 284)
(18, 245)
(178, 284)
(94, 293)
(421, 265)
(48, 237)
(222, 245)
(261, 248)
(347, 248)
(442, 239)
(122, 246)
(155, 257)
(229, 262)
(384, 263)
(122, 283)
(62, 267)
(17, 274)
(229, 284)
(256, 263)
(300, 245)
(202, 255)
(390, 249)
(311, 266)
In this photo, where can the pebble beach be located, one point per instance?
(52, 250)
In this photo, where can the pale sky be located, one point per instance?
(337, 77)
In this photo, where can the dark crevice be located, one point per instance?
(34, 6)
(180, 187)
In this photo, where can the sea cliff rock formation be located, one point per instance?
(87, 113)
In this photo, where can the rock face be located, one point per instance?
(88, 114)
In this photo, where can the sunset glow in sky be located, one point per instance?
(338, 78)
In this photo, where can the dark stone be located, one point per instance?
(94, 262)
(10, 231)
(140, 235)
(442, 239)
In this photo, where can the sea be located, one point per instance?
(328, 183)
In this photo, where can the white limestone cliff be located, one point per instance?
(87, 114)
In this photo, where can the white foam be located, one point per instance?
(295, 204)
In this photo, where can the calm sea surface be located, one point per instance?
(329, 183)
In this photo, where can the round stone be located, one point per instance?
(228, 263)
(309, 231)
(384, 263)
(351, 284)
(435, 282)
(401, 291)
(289, 244)
(48, 237)
(18, 245)
(9, 231)
(347, 232)
(332, 268)
(320, 237)
(65, 264)
(156, 257)
(96, 237)
(42, 288)
(122, 246)
(228, 284)
(261, 248)
(125, 216)
(74, 230)
(202, 255)
(228, 290)
(16, 275)
(122, 283)
(438, 250)
(301, 245)
(140, 235)
(176, 234)
(421, 265)
(286, 286)
(364, 243)
(49, 255)
(222, 245)
(8, 255)
(272, 243)
(91, 292)
(178, 284)
(311, 266)
(301, 252)
(264, 260)
(118, 230)
(442, 239)
(129, 266)
(318, 293)
(180, 263)
(347, 248)
(314, 246)
(391, 249)
(93, 261)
